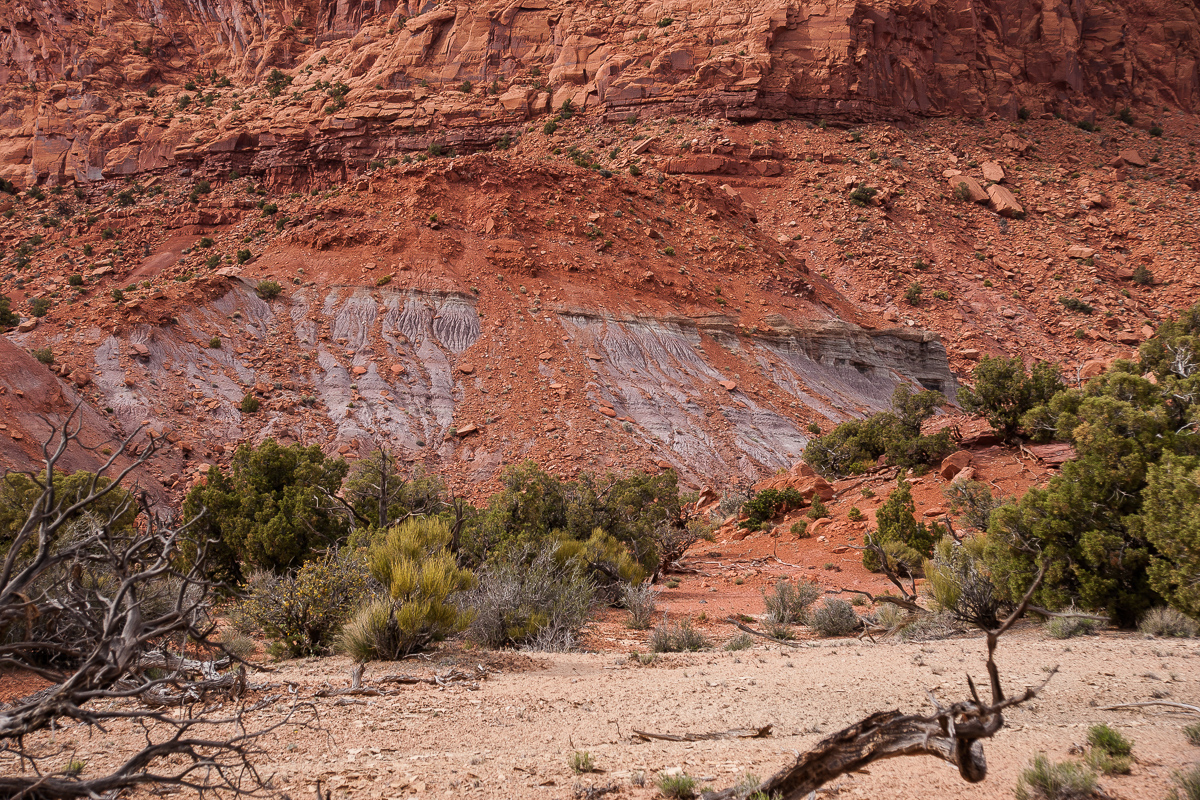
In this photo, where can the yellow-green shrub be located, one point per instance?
(419, 577)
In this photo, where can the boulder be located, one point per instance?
(992, 171)
(974, 192)
(954, 464)
(1004, 202)
(1080, 251)
(1131, 157)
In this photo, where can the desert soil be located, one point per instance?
(514, 735)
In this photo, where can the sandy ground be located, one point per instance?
(512, 738)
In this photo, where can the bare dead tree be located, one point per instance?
(953, 733)
(89, 602)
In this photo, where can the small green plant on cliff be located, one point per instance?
(268, 290)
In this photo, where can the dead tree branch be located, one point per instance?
(92, 586)
(953, 733)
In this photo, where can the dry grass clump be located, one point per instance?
(640, 600)
(834, 617)
(1167, 622)
(1070, 627)
(678, 637)
(1047, 780)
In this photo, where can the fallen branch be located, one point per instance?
(736, 733)
(952, 733)
(748, 629)
(447, 678)
(1184, 706)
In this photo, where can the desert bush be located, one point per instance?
(834, 617)
(8, 318)
(958, 583)
(744, 641)
(1005, 391)
(1046, 780)
(45, 355)
(912, 295)
(237, 644)
(605, 561)
(1192, 734)
(1187, 781)
(678, 637)
(799, 529)
(643, 512)
(1110, 753)
(249, 404)
(789, 601)
(777, 628)
(890, 617)
(972, 501)
(1070, 627)
(1166, 622)
(1142, 276)
(581, 762)
(271, 511)
(855, 514)
(640, 601)
(416, 607)
(268, 290)
(529, 600)
(855, 446)
(1075, 304)
(39, 306)
(896, 522)
(768, 504)
(676, 786)
(818, 509)
(302, 610)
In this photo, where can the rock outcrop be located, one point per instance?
(376, 79)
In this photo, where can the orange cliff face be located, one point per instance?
(74, 106)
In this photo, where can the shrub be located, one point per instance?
(1166, 622)
(676, 786)
(1103, 737)
(1143, 276)
(529, 600)
(1156, 130)
(39, 306)
(249, 404)
(958, 583)
(855, 514)
(640, 601)
(302, 610)
(972, 502)
(268, 290)
(817, 510)
(768, 504)
(799, 529)
(125, 198)
(215, 343)
(1126, 115)
(678, 637)
(118, 295)
(788, 602)
(277, 82)
(8, 318)
(896, 522)
(1075, 304)
(1192, 734)
(419, 577)
(44, 355)
(744, 641)
(834, 617)
(1005, 391)
(862, 195)
(465, 87)
(855, 446)
(1046, 780)
(550, 127)
(912, 295)
(1070, 627)
(962, 192)
(269, 208)
(270, 512)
